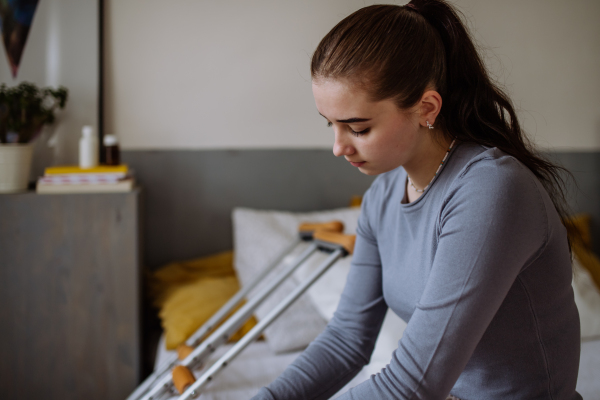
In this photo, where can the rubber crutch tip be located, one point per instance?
(182, 378)
(183, 350)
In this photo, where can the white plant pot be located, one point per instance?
(15, 166)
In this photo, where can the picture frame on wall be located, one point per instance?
(54, 43)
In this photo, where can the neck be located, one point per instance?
(421, 169)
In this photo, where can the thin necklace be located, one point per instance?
(436, 172)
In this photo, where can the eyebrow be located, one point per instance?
(349, 120)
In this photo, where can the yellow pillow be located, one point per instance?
(588, 260)
(578, 228)
(188, 293)
(355, 201)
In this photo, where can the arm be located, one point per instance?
(345, 346)
(492, 226)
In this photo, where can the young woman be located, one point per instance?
(460, 234)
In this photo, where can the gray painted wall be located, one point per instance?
(188, 195)
(584, 193)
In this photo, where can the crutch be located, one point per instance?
(305, 233)
(338, 244)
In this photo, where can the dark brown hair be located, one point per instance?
(398, 52)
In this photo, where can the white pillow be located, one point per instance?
(259, 237)
(587, 299)
(326, 292)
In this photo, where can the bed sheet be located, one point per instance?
(257, 366)
(588, 384)
(254, 368)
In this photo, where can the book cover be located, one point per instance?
(76, 179)
(124, 185)
(100, 169)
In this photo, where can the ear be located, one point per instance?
(429, 107)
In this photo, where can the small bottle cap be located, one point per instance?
(110, 140)
(87, 131)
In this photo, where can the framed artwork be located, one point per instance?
(54, 43)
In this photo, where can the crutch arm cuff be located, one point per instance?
(332, 226)
(345, 241)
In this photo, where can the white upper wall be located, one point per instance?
(188, 74)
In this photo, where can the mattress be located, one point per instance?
(254, 368)
(588, 384)
(257, 366)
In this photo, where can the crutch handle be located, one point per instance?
(182, 378)
(345, 241)
(332, 226)
(183, 350)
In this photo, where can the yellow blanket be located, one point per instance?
(187, 294)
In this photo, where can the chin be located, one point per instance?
(370, 172)
(373, 172)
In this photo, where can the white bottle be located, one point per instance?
(88, 148)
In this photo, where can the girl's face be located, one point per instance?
(375, 137)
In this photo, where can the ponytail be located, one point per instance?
(398, 52)
(476, 109)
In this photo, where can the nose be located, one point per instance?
(342, 145)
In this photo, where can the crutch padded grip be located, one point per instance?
(332, 226)
(183, 350)
(182, 378)
(345, 241)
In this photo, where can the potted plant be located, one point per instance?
(24, 110)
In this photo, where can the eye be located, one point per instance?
(329, 124)
(359, 133)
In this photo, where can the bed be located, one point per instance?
(260, 235)
(257, 366)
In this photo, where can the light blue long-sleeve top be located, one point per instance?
(478, 266)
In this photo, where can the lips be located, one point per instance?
(357, 164)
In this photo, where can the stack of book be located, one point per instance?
(71, 179)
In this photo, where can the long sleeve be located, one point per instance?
(339, 353)
(479, 267)
(493, 225)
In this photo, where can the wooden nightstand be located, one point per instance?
(69, 296)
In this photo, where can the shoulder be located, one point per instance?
(493, 172)
(497, 187)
